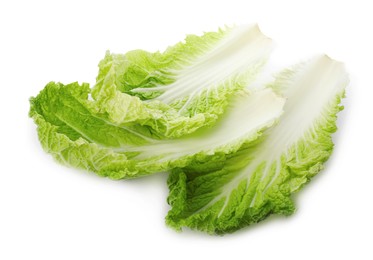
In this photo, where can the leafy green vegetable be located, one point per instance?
(236, 152)
(185, 87)
(70, 129)
(260, 179)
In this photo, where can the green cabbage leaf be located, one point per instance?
(186, 87)
(260, 179)
(70, 130)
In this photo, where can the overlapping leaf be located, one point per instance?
(260, 179)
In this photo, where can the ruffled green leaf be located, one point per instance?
(259, 180)
(185, 87)
(70, 128)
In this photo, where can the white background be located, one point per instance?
(48, 211)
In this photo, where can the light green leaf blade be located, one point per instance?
(260, 179)
(185, 87)
(69, 129)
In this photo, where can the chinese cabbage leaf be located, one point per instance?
(259, 179)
